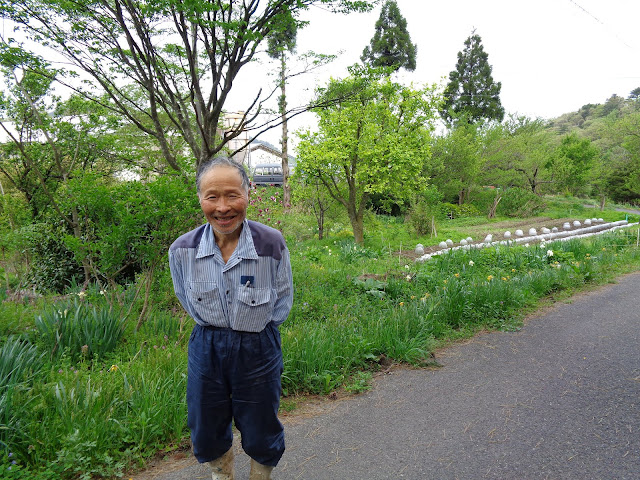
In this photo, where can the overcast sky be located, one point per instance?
(551, 56)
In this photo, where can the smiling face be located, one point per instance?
(224, 201)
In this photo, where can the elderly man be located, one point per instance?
(233, 276)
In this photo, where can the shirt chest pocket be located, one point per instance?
(254, 308)
(204, 297)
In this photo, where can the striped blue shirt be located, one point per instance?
(253, 288)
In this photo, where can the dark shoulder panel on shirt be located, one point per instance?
(190, 239)
(268, 241)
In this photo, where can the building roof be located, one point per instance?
(267, 147)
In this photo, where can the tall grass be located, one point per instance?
(20, 363)
(79, 330)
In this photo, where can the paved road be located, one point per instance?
(559, 399)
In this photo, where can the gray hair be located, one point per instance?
(221, 161)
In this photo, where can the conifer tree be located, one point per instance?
(391, 44)
(471, 93)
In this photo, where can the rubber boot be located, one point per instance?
(222, 467)
(259, 471)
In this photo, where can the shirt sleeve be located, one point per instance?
(178, 281)
(284, 289)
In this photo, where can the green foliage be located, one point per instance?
(20, 362)
(518, 153)
(391, 44)
(265, 206)
(350, 252)
(375, 140)
(425, 211)
(10, 469)
(457, 161)
(79, 331)
(52, 265)
(422, 217)
(574, 162)
(128, 227)
(517, 202)
(471, 94)
(451, 210)
(151, 105)
(355, 309)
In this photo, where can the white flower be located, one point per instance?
(549, 253)
(81, 294)
(407, 267)
(526, 244)
(408, 278)
(102, 292)
(471, 264)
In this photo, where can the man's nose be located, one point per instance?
(222, 204)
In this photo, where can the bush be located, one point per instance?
(484, 199)
(423, 217)
(53, 266)
(451, 210)
(517, 202)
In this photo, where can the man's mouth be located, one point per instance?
(225, 220)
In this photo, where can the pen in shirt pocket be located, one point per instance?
(246, 280)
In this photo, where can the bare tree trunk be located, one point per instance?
(286, 186)
(321, 225)
(492, 210)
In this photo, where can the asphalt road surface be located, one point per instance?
(558, 399)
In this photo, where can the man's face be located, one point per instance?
(223, 200)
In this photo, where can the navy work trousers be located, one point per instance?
(235, 375)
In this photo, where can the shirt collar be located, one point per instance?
(244, 249)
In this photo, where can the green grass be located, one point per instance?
(69, 415)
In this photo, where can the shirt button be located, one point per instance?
(199, 299)
(227, 292)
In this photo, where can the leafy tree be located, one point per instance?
(458, 155)
(391, 44)
(184, 57)
(311, 195)
(374, 141)
(623, 166)
(471, 93)
(50, 141)
(519, 154)
(574, 160)
(635, 94)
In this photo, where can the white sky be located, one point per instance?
(552, 56)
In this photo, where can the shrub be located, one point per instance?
(451, 210)
(423, 216)
(517, 202)
(52, 265)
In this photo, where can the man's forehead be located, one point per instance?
(223, 177)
